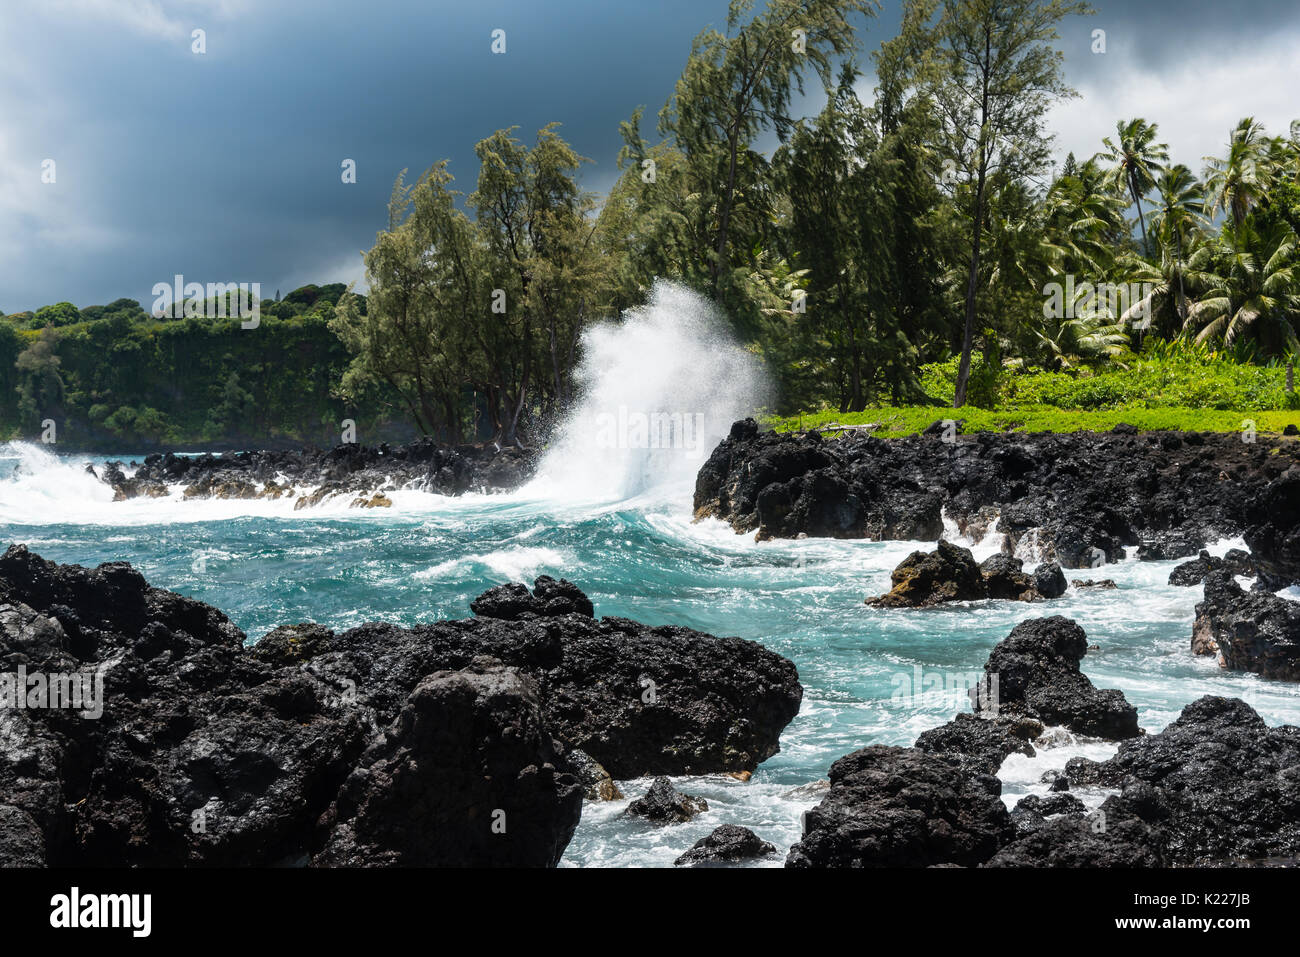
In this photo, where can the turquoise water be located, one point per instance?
(614, 517)
(640, 557)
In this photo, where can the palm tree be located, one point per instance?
(1236, 182)
(1136, 160)
(1080, 220)
(1256, 294)
(1177, 222)
(1170, 284)
(1067, 343)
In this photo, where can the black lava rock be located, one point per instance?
(664, 804)
(1036, 669)
(725, 845)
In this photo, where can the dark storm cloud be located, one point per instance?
(226, 166)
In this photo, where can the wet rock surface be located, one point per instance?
(465, 776)
(1273, 527)
(1080, 499)
(725, 845)
(1219, 785)
(439, 744)
(1216, 787)
(664, 804)
(987, 741)
(1234, 562)
(1037, 675)
(1065, 835)
(1249, 630)
(903, 807)
(950, 573)
(311, 476)
(595, 780)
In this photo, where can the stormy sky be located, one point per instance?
(225, 166)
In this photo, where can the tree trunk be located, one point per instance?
(968, 333)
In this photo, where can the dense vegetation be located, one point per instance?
(113, 377)
(1169, 386)
(914, 251)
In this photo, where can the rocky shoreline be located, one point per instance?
(1080, 499)
(454, 743)
(1217, 787)
(313, 475)
(476, 742)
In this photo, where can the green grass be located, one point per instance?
(895, 421)
(1176, 387)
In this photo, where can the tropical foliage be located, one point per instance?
(856, 246)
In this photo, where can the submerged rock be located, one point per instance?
(1249, 630)
(664, 804)
(725, 845)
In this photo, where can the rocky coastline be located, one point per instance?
(477, 742)
(1217, 787)
(455, 743)
(1080, 499)
(310, 476)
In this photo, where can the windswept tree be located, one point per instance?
(1136, 159)
(427, 289)
(992, 71)
(537, 226)
(735, 86)
(485, 314)
(844, 186)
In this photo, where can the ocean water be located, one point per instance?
(617, 521)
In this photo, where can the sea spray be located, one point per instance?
(657, 392)
(37, 486)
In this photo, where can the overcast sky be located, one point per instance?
(225, 166)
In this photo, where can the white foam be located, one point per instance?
(674, 357)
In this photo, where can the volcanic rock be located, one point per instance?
(1250, 630)
(1036, 670)
(726, 844)
(664, 804)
